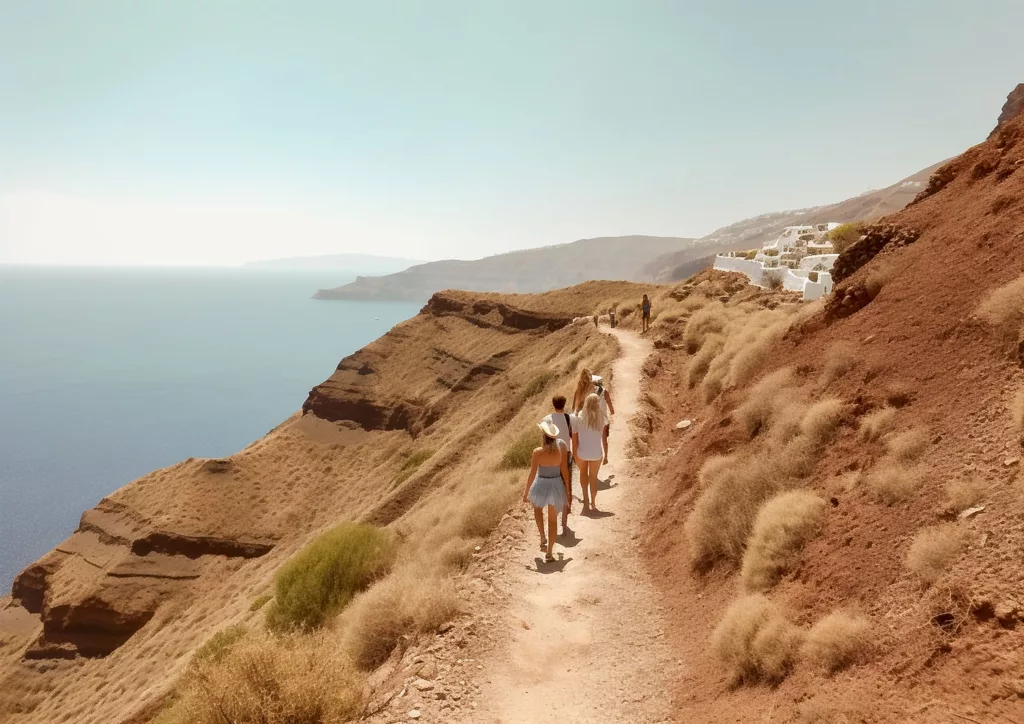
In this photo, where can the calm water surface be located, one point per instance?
(106, 374)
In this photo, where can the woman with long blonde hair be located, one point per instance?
(587, 448)
(587, 383)
(548, 485)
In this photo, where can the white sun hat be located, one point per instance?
(596, 379)
(548, 427)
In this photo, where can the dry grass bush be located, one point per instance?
(822, 419)
(879, 277)
(962, 494)
(714, 467)
(294, 679)
(823, 711)
(519, 453)
(1003, 308)
(708, 320)
(840, 358)
(537, 385)
(484, 509)
(321, 579)
(694, 302)
(877, 423)
(908, 446)
(763, 400)
(783, 526)
(839, 640)
(755, 640)
(892, 482)
(773, 279)
(701, 361)
(933, 551)
(405, 603)
(721, 521)
(750, 358)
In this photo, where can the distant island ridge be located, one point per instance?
(357, 264)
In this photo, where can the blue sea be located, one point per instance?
(107, 374)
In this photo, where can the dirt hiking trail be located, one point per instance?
(586, 639)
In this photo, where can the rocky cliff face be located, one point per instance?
(1013, 107)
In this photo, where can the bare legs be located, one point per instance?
(552, 532)
(538, 516)
(588, 481)
(604, 442)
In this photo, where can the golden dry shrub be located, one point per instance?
(908, 446)
(1003, 308)
(877, 423)
(933, 551)
(483, 509)
(784, 525)
(291, 679)
(721, 521)
(962, 494)
(764, 400)
(701, 361)
(706, 321)
(840, 358)
(838, 640)
(822, 419)
(406, 603)
(755, 641)
(892, 482)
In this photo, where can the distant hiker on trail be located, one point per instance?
(589, 382)
(611, 318)
(548, 485)
(565, 423)
(587, 448)
(645, 309)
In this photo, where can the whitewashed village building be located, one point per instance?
(802, 257)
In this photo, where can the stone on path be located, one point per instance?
(683, 424)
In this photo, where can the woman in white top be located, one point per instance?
(587, 383)
(587, 448)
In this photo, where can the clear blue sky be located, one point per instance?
(212, 132)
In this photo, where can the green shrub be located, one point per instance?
(844, 235)
(220, 644)
(416, 459)
(537, 385)
(520, 452)
(321, 579)
(261, 601)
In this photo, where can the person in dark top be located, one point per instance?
(645, 308)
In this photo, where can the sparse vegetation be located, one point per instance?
(763, 400)
(403, 604)
(755, 640)
(217, 646)
(839, 640)
(962, 494)
(520, 452)
(1003, 308)
(699, 363)
(879, 277)
(840, 358)
(708, 320)
(782, 528)
(876, 424)
(322, 578)
(294, 679)
(537, 385)
(844, 235)
(412, 464)
(484, 510)
(908, 446)
(933, 551)
(261, 601)
(822, 419)
(773, 280)
(892, 482)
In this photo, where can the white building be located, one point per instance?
(801, 257)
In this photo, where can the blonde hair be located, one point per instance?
(592, 417)
(583, 386)
(547, 442)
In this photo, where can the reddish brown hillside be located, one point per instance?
(915, 428)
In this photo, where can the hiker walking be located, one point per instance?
(548, 485)
(645, 314)
(565, 422)
(591, 383)
(587, 449)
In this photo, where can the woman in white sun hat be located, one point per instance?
(547, 485)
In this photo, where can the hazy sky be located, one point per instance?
(215, 132)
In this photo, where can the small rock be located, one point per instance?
(217, 466)
(683, 424)
(1010, 462)
(445, 627)
(476, 549)
(423, 684)
(970, 512)
(414, 713)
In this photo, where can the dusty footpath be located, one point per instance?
(578, 640)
